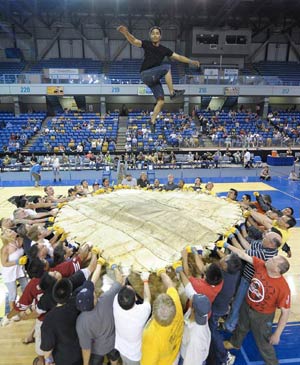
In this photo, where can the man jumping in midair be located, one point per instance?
(153, 70)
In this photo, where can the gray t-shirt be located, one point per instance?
(96, 328)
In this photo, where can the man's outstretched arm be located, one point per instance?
(184, 59)
(131, 38)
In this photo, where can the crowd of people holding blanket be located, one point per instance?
(236, 289)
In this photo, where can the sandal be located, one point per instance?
(36, 361)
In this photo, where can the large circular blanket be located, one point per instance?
(147, 230)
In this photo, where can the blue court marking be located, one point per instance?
(288, 351)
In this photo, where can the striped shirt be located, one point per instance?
(256, 249)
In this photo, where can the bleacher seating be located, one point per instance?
(232, 130)
(90, 66)
(289, 123)
(70, 129)
(23, 127)
(288, 72)
(128, 71)
(9, 70)
(163, 136)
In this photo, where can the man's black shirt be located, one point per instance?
(154, 56)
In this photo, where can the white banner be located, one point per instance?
(63, 73)
(211, 72)
(231, 72)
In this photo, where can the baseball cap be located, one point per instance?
(201, 305)
(85, 297)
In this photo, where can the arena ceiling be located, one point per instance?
(206, 13)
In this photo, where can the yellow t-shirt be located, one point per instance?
(161, 345)
(285, 233)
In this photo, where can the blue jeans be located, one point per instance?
(217, 349)
(233, 317)
(152, 76)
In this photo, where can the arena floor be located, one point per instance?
(283, 193)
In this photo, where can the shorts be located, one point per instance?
(152, 76)
(113, 355)
(38, 338)
(36, 176)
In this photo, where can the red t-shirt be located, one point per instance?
(266, 294)
(68, 268)
(30, 296)
(202, 287)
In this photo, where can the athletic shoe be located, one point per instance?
(177, 94)
(5, 321)
(16, 318)
(229, 346)
(230, 359)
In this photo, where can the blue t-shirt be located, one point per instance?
(36, 168)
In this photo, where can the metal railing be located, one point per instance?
(36, 78)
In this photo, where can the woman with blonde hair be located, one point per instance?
(12, 261)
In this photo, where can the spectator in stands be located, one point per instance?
(105, 146)
(47, 160)
(128, 147)
(92, 159)
(289, 152)
(79, 148)
(217, 158)
(56, 168)
(170, 185)
(247, 160)
(78, 161)
(237, 157)
(265, 174)
(152, 70)
(190, 157)
(65, 161)
(6, 160)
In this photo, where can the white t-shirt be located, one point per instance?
(55, 162)
(129, 327)
(247, 157)
(30, 212)
(195, 341)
